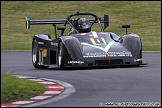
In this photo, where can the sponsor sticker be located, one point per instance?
(110, 54)
(75, 62)
(124, 53)
(94, 54)
(53, 43)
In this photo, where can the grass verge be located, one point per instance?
(16, 89)
(143, 16)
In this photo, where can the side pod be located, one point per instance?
(133, 43)
(73, 47)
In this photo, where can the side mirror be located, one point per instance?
(61, 28)
(126, 26)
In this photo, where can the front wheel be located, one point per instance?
(61, 56)
(35, 56)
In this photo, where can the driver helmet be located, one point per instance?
(83, 25)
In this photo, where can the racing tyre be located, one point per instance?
(35, 56)
(61, 56)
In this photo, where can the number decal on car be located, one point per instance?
(98, 41)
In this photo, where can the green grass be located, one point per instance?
(143, 16)
(16, 89)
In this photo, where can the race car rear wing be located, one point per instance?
(30, 21)
(54, 21)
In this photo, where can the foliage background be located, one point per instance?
(143, 16)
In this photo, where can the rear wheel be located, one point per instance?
(35, 56)
(61, 56)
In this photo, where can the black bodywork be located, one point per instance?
(84, 49)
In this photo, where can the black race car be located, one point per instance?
(82, 46)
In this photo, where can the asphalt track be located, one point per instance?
(95, 87)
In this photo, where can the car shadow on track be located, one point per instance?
(91, 68)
